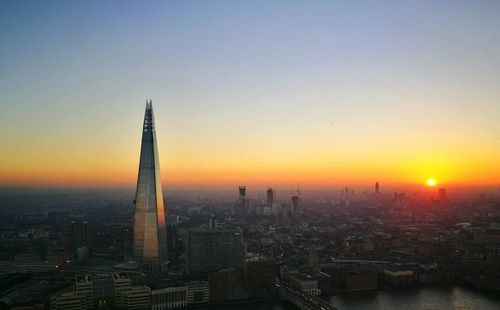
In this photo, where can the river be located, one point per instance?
(427, 297)
(422, 298)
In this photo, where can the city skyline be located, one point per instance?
(317, 154)
(324, 94)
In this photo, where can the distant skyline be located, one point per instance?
(257, 93)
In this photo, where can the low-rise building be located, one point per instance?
(306, 283)
(83, 287)
(137, 298)
(198, 292)
(399, 277)
(169, 298)
(67, 301)
(259, 277)
(360, 281)
(122, 284)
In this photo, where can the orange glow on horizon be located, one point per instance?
(90, 174)
(315, 164)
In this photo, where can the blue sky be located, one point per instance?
(251, 79)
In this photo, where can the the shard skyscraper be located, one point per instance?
(150, 234)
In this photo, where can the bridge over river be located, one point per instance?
(300, 299)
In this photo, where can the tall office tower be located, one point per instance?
(270, 197)
(150, 233)
(296, 204)
(242, 205)
(377, 188)
(78, 232)
(242, 191)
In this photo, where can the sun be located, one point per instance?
(431, 182)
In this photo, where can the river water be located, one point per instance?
(423, 298)
(428, 298)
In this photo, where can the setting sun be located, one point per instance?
(431, 182)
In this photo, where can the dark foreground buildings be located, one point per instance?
(209, 251)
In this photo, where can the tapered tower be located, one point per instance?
(150, 234)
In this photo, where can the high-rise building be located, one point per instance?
(150, 233)
(242, 191)
(209, 251)
(377, 188)
(270, 197)
(296, 204)
(78, 232)
(242, 205)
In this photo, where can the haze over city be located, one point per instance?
(261, 93)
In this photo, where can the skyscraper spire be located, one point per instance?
(150, 235)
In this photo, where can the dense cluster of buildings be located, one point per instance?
(333, 246)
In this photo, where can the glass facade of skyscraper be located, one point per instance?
(150, 235)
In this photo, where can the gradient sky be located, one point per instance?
(250, 92)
